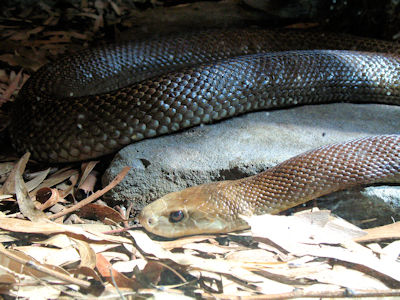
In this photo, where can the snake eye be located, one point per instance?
(176, 216)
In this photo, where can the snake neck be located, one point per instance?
(312, 174)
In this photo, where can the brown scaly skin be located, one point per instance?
(216, 207)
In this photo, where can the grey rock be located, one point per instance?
(388, 194)
(365, 207)
(240, 147)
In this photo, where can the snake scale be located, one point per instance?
(96, 101)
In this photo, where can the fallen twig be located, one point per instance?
(94, 196)
(43, 269)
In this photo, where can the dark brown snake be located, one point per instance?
(97, 101)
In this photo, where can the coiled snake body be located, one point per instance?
(99, 100)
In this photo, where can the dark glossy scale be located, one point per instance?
(97, 101)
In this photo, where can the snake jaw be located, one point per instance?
(197, 216)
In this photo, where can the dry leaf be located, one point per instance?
(116, 256)
(391, 252)
(49, 227)
(151, 272)
(22, 264)
(307, 227)
(100, 212)
(211, 265)
(55, 179)
(47, 197)
(111, 275)
(88, 185)
(51, 256)
(59, 241)
(252, 256)
(9, 186)
(25, 203)
(128, 266)
(390, 231)
(207, 248)
(351, 279)
(36, 291)
(86, 168)
(179, 243)
(14, 85)
(87, 254)
(40, 176)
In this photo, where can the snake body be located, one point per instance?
(96, 101)
(77, 109)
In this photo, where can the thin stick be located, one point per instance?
(94, 196)
(31, 264)
(171, 269)
(311, 294)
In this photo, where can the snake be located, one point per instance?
(94, 102)
(217, 207)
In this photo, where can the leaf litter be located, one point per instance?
(308, 254)
(311, 253)
(44, 251)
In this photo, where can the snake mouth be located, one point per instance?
(147, 221)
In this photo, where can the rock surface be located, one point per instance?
(241, 146)
(366, 207)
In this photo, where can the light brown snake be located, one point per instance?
(216, 207)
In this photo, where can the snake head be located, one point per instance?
(194, 210)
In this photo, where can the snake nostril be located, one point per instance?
(150, 221)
